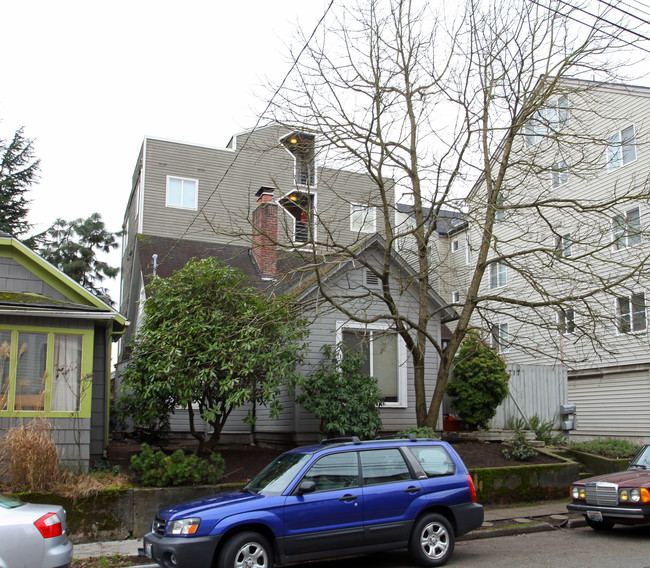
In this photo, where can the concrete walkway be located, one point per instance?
(499, 521)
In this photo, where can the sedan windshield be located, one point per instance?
(642, 459)
(276, 476)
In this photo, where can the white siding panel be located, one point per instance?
(612, 405)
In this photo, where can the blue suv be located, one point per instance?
(339, 498)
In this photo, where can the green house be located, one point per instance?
(55, 353)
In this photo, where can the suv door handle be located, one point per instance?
(411, 489)
(347, 497)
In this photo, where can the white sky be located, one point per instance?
(89, 79)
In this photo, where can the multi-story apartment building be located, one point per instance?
(265, 205)
(566, 279)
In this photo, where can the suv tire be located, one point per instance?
(245, 550)
(432, 540)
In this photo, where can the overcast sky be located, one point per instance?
(88, 80)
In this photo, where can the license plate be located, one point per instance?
(595, 516)
(147, 549)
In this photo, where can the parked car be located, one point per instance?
(33, 535)
(335, 499)
(622, 497)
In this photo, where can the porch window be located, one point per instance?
(5, 364)
(43, 371)
(385, 359)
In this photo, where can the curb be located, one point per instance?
(523, 528)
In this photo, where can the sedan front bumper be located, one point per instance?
(629, 514)
(187, 552)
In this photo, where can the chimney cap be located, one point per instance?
(265, 189)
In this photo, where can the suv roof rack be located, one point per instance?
(353, 439)
(409, 437)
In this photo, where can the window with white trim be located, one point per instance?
(498, 275)
(563, 244)
(455, 297)
(566, 321)
(559, 174)
(621, 148)
(547, 120)
(500, 338)
(631, 313)
(500, 213)
(455, 245)
(362, 218)
(182, 192)
(385, 358)
(626, 229)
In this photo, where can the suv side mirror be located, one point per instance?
(306, 487)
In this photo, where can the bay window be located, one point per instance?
(385, 357)
(43, 371)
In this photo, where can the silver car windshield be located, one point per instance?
(276, 476)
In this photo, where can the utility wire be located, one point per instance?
(257, 123)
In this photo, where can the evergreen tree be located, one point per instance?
(18, 170)
(72, 246)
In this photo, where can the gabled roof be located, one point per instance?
(378, 242)
(295, 276)
(78, 300)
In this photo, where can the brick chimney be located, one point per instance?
(265, 232)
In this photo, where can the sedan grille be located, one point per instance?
(158, 526)
(602, 493)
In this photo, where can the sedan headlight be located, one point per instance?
(634, 495)
(184, 526)
(578, 492)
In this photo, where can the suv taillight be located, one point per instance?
(471, 487)
(49, 525)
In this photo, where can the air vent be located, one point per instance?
(372, 280)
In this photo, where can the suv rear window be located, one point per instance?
(435, 460)
(383, 466)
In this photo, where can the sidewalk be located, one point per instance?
(499, 521)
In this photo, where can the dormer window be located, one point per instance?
(300, 206)
(301, 147)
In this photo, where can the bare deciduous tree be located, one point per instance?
(467, 112)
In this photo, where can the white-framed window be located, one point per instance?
(455, 297)
(498, 275)
(455, 245)
(182, 192)
(559, 174)
(362, 218)
(626, 229)
(386, 357)
(552, 118)
(500, 338)
(621, 148)
(631, 313)
(468, 250)
(566, 321)
(500, 213)
(563, 244)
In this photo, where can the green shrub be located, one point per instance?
(419, 432)
(607, 447)
(479, 382)
(519, 449)
(345, 400)
(544, 429)
(158, 469)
